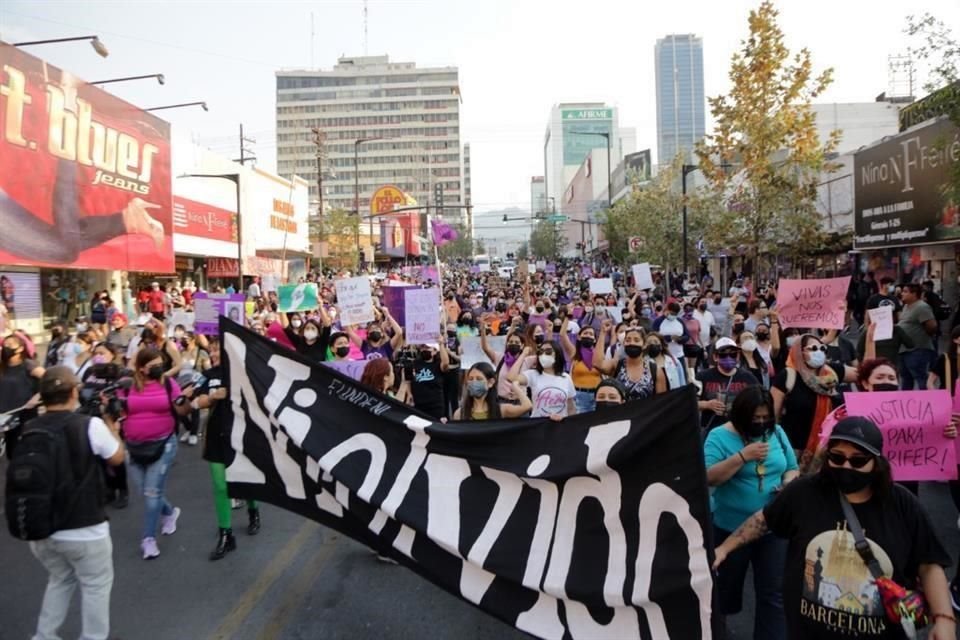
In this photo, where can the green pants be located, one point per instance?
(220, 498)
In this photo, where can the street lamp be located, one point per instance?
(235, 178)
(605, 134)
(688, 169)
(94, 42)
(158, 76)
(201, 104)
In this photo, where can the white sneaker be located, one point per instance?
(183, 438)
(192, 440)
(149, 548)
(168, 524)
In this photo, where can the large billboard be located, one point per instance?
(84, 176)
(898, 198)
(577, 122)
(398, 234)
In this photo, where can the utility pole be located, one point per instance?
(243, 149)
(319, 137)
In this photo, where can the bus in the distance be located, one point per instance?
(483, 261)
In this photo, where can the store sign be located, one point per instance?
(898, 185)
(194, 218)
(587, 114)
(282, 216)
(258, 266)
(387, 198)
(222, 267)
(582, 129)
(84, 176)
(275, 213)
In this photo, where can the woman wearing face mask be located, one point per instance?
(610, 393)
(632, 369)
(466, 324)
(751, 360)
(514, 349)
(426, 384)
(583, 370)
(748, 460)
(196, 361)
(667, 371)
(536, 334)
(19, 380)
(815, 514)
(82, 352)
(806, 391)
(312, 338)
(378, 343)
(154, 336)
(153, 403)
(551, 387)
(479, 401)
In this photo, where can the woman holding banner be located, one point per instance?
(748, 460)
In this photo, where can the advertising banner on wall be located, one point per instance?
(398, 234)
(20, 294)
(578, 121)
(84, 176)
(898, 198)
(202, 220)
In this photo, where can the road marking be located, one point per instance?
(299, 589)
(235, 619)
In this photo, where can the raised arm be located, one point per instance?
(568, 349)
(515, 374)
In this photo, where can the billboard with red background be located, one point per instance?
(194, 218)
(398, 234)
(84, 176)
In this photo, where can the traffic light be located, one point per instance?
(504, 217)
(438, 198)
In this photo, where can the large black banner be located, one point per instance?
(596, 527)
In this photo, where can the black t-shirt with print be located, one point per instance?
(828, 592)
(715, 383)
(427, 387)
(800, 404)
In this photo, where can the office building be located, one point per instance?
(573, 131)
(400, 121)
(681, 105)
(538, 196)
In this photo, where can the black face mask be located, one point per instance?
(342, 352)
(702, 307)
(757, 429)
(426, 355)
(606, 404)
(375, 336)
(451, 334)
(514, 349)
(654, 350)
(633, 350)
(539, 339)
(886, 386)
(539, 309)
(848, 480)
(717, 300)
(738, 327)
(587, 343)
(7, 353)
(155, 372)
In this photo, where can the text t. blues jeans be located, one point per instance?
(152, 481)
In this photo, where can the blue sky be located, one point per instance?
(516, 58)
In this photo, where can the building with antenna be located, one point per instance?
(398, 122)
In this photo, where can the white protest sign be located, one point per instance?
(541, 265)
(354, 301)
(184, 318)
(422, 315)
(642, 277)
(473, 352)
(601, 285)
(883, 319)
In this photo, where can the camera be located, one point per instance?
(105, 380)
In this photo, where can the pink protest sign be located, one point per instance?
(912, 423)
(813, 304)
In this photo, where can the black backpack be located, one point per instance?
(42, 489)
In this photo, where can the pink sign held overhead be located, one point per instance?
(912, 423)
(813, 304)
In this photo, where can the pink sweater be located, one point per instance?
(149, 414)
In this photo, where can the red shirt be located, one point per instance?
(157, 301)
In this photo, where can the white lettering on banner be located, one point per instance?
(360, 442)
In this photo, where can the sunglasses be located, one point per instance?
(816, 348)
(857, 462)
(728, 352)
(763, 336)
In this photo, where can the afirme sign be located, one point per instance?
(898, 189)
(586, 114)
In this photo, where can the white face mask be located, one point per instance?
(547, 361)
(296, 323)
(310, 334)
(749, 345)
(621, 336)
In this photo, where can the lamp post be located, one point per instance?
(605, 134)
(95, 42)
(158, 76)
(199, 103)
(235, 178)
(687, 170)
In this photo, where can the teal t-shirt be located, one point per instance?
(742, 495)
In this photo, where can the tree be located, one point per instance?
(523, 251)
(654, 213)
(340, 230)
(766, 129)
(939, 49)
(461, 248)
(547, 241)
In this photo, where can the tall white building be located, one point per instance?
(859, 123)
(538, 196)
(574, 130)
(400, 122)
(681, 105)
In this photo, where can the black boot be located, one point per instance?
(254, 527)
(226, 542)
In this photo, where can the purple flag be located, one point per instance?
(443, 233)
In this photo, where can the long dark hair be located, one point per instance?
(745, 405)
(559, 362)
(145, 355)
(492, 399)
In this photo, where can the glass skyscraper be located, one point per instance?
(680, 100)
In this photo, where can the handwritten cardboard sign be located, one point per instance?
(601, 285)
(642, 277)
(883, 319)
(422, 315)
(813, 304)
(354, 301)
(912, 423)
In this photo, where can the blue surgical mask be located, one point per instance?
(816, 359)
(476, 388)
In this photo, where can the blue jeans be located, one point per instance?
(152, 481)
(585, 401)
(768, 557)
(914, 367)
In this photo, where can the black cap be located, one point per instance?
(861, 432)
(56, 382)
